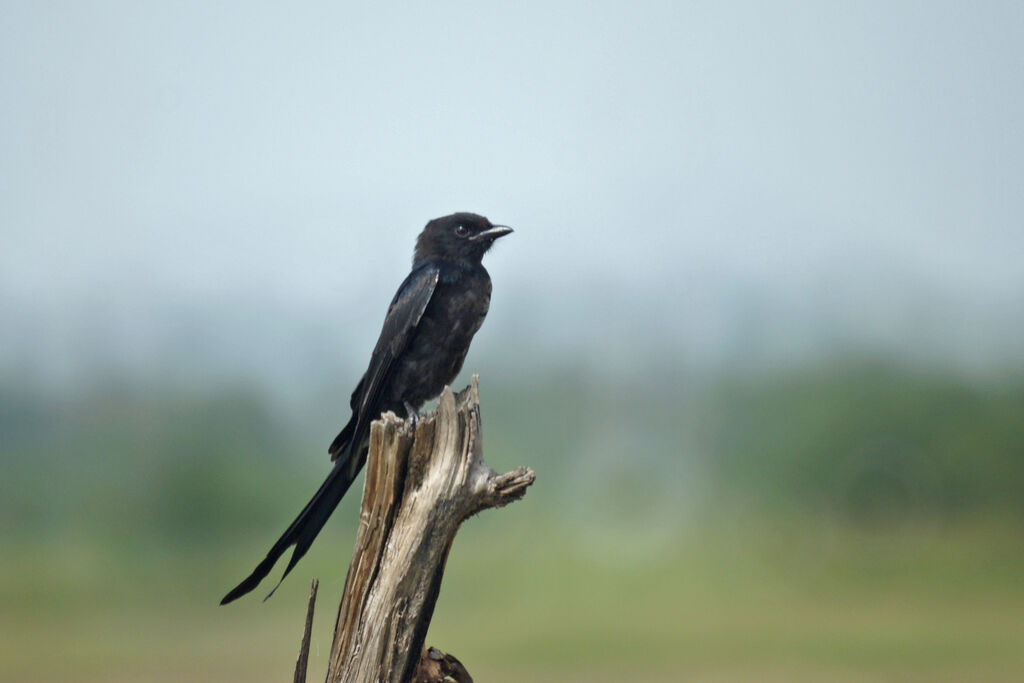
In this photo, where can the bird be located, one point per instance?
(423, 343)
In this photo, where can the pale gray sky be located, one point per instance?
(833, 156)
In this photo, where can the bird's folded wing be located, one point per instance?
(400, 324)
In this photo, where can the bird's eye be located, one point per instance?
(461, 230)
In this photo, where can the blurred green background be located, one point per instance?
(850, 521)
(758, 330)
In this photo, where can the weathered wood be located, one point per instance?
(422, 481)
(300, 665)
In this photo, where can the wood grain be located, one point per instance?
(423, 479)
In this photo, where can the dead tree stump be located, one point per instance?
(422, 481)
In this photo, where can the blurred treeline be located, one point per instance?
(861, 440)
(847, 520)
(873, 441)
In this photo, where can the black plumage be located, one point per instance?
(427, 331)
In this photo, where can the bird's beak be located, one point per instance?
(492, 233)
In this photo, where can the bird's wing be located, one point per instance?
(400, 324)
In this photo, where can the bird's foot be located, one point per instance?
(412, 414)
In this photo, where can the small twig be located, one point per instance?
(300, 665)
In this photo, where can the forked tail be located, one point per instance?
(307, 525)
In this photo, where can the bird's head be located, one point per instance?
(461, 237)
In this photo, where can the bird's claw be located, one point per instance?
(413, 415)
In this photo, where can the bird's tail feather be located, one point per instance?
(342, 441)
(307, 525)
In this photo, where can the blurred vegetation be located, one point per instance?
(871, 441)
(851, 521)
(127, 462)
